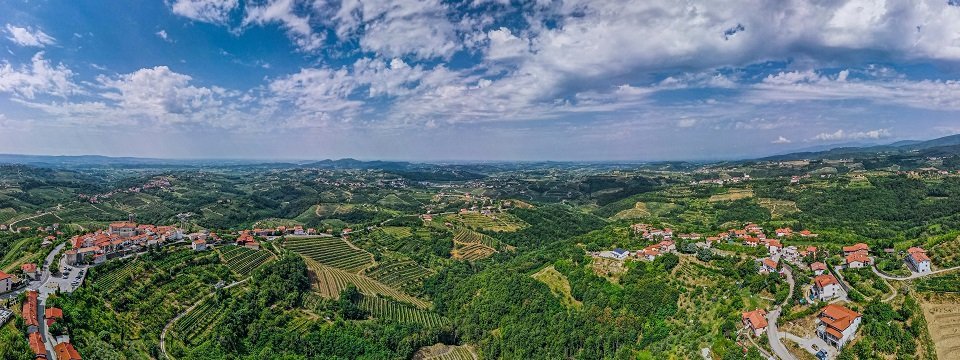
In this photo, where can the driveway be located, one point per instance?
(812, 344)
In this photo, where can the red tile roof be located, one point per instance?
(53, 313)
(919, 257)
(66, 351)
(818, 266)
(36, 345)
(837, 318)
(756, 318)
(29, 267)
(857, 257)
(826, 279)
(915, 250)
(856, 247)
(4, 276)
(770, 263)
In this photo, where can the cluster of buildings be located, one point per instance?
(159, 183)
(649, 232)
(836, 324)
(120, 238)
(283, 230)
(31, 319)
(722, 181)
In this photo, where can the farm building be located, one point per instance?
(837, 324)
(755, 320)
(918, 259)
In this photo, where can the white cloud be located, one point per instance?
(27, 36)
(859, 135)
(284, 12)
(394, 28)
(163, 35)
(211, 11)
(685, 123)
(781, 140)
(158, 91)
(39, 78)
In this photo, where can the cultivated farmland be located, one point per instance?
(943, 321)
(194, 327)
(329, 281)
(331, 251)
(400, 274)
(445, 352)
(243, 260)
(392, 310)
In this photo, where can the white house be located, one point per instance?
(818, 268)
(837, 325)
(620, 254)
(826, 287)
(767, 265)
(857, 260)
(6, 282)
(199, 245)
(755, 321)
(918, 259)
(774, 247)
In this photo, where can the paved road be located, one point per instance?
(913, 275)
(166, 328)
(773, 333)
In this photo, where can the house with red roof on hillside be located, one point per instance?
(29, 270)
(826, 287)
(818, 268)
(52, 314)
(856, 260)
(856, 248)
(29, 312)
(767, 265)
(918, 259)
(837, 325)
(756, 321)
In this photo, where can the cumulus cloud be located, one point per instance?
(27, 36)
(781, 140)
(40, 77)
(419, 28)
(285, 13)
(858, 135)
(211, 11)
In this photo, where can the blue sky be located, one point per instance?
(473, 80)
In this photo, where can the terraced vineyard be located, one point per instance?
(194, 327)
(392, 310)
(467, 236)
(329, 281)
(472, 252)
(115, 277)
(400, 274)
(243, 260)
(445, 352)
(331, 251)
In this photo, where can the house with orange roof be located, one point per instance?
(649, 253)
(755, 320)
(818, 268)
(784, 232)
(856, 260)
(29, 270)
(837, 325)
(774, 247)
(918, 259)
(826, 287)
(66, 351)
(52, 314)
(29, 312)
(199, 245)
(767, 265)
(752, 228)
(807, 233)
(751, 241)
(123, 229)
(858, 247)
(36, 345)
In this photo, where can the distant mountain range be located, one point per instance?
(945, 146)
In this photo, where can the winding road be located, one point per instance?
(773, 333)
(913, 275)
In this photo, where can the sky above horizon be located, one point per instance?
(474, 80)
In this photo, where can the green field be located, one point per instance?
(243, 260)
